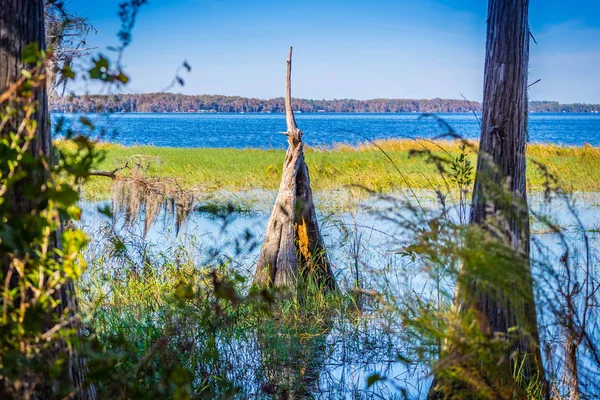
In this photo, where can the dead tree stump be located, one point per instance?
(293, 246)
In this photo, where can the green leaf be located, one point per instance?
(100, 69)
(31, 53)
(67, 72)
(371, 380)
(74, 212)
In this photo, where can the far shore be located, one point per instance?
(594, 112)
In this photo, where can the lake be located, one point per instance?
(321, 129)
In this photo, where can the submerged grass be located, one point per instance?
(171, 317)
(212, 169)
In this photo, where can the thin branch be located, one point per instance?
(108, 174)
(113, 174)
(11, 89)
(289, 113)
(473, 110)
(533, 37)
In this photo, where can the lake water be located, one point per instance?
(321, 129)
(368, 239)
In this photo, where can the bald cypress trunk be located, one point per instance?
(22, 23)
(293, 245)
(501, 168)
(502, 161)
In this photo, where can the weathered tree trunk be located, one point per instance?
(293, 244)
(22, 23)
(501, 166)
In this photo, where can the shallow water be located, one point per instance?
(365, 238)
(369, 219)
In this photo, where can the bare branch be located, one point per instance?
(533, 37)
(531, 84)
(135, 159)
(289, 113)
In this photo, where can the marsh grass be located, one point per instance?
(180, 324)
(177, 328)
(210, 169)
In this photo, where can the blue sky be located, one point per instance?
(346, 49)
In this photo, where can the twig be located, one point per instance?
(531, 34)
(473, 110)
(113, 174)
(530, 85)
(289, 113)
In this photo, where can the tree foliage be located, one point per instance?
(176, 102)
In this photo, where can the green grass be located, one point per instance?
(210, 169)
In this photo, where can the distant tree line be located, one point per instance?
(173, 102)
(555, 106)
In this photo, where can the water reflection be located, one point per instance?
(293, 360)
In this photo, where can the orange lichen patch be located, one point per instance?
(302, 239)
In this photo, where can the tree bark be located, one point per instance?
(501, 166)
(293, 244)
(22, 23)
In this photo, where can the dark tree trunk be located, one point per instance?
(293, 244)
(503, 160)
(501, 166)
(22, 23)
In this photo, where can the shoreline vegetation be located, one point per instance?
(176, 102)
(211, 170)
